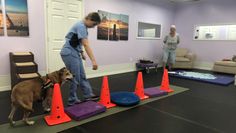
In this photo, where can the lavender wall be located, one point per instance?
(153, 11)
(34, 43)
(206, 12)
(106, 52)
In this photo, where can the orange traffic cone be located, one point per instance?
(139, 89)
(57, 115)
(165, 82)
(105, 94)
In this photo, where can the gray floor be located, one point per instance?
(41, 126)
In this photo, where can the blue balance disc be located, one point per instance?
(124, 98)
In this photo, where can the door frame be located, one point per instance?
(46, 21)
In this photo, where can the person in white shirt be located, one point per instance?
(170, 44)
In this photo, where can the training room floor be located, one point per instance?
(204, 108)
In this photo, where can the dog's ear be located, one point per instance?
(54, 77)
(61, 71)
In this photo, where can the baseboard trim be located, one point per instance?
(5, 88)
(110, 70)
(5, 81)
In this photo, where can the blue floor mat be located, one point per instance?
(124, 98)
(219, 79)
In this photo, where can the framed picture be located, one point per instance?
(17, 18)
(124, 27)
(103, 27)
(114, 27)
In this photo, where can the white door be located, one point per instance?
(61, 15)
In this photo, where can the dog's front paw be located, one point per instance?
(30, 123)
(12, 123)
(47, 109)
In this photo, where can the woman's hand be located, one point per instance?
(95, 66)
(83, 56)
(89, 53)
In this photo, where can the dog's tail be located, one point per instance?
(25, 106)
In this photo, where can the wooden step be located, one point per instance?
(25, 67)
(28, 76)
(21, 57)
(24, 64)
(21, 53)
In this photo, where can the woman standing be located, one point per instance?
(72, 56)
(170, 44)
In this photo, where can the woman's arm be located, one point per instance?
(178, 40)
(165, 39)
(89, 53)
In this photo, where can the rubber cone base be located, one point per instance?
(144, 97)
(169, 90)
(108, 105)
(58, 120)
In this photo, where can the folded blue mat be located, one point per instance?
(219, 79)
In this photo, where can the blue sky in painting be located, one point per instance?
(114, 16)
(124, 18)
(16, 6)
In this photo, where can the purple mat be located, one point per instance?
(84, 110)
(154, 92)
(220, 78)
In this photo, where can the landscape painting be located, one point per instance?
(103, 26)
(124, 27)
(113, 27)
(1, 21)
(17, 18)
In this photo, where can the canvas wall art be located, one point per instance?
(124, 27)
(113, 27)
(103, 27)
(17, 18)
(1, 21)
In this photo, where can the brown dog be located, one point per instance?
(24, 93)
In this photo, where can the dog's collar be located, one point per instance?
(48, 84)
